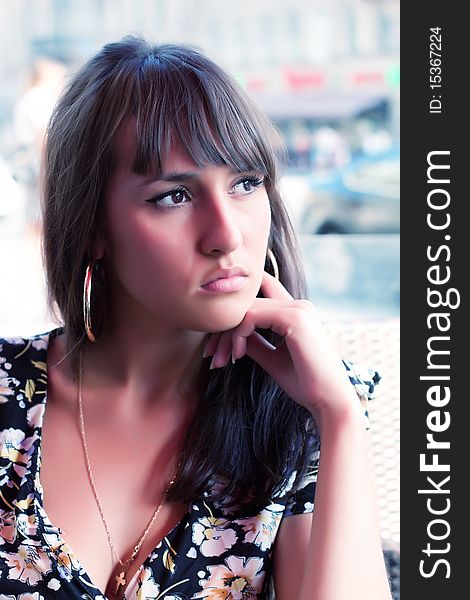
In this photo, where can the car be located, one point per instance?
(363, 197)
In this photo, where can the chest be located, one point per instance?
(130, 474)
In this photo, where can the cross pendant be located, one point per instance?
(120, 581)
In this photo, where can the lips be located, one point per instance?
(225, 273)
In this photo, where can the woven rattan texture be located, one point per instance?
(376, 344)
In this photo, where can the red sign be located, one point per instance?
(304, 79)
(366, 77)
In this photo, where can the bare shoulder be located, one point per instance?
(61, 388)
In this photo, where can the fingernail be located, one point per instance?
(212, 364)
(206, 353)
(233, 359)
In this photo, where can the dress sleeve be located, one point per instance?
(302, 500)
(364, 380)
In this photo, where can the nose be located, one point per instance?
(221, 232)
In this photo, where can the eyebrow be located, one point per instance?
(169, 176)
(175, 176)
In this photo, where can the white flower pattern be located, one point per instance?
(262, 528)
(29, 564)
(213, 536)
(148, 588)
(7, 527)
(237, 579)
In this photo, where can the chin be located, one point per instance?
(223, 319)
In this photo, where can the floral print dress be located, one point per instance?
(210, 554)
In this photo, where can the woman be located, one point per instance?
(188, 387)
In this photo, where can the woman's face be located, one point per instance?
(167, 237)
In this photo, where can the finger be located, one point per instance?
(273, 288)
(211, 345)
(223, 352)
(265, 354)
(257, 342)
(265, 313)
(238, 346)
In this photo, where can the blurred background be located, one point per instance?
(326, 72)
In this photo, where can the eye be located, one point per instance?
(247, 185)
(173, 198)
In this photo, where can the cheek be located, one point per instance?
(145, 256)
(260, 227)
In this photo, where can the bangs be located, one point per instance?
(200, 110)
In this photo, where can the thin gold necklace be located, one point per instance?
(121, 578)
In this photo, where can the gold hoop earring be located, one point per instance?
(87, 302)
(273, 261)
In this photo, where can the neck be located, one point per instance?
(158, 362)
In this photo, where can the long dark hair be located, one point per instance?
(246, 430)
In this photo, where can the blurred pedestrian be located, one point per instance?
(32, 112)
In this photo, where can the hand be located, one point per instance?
(305, 365)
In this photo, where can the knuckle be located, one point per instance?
(303, 308)
(304, 304)
(302, 314)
